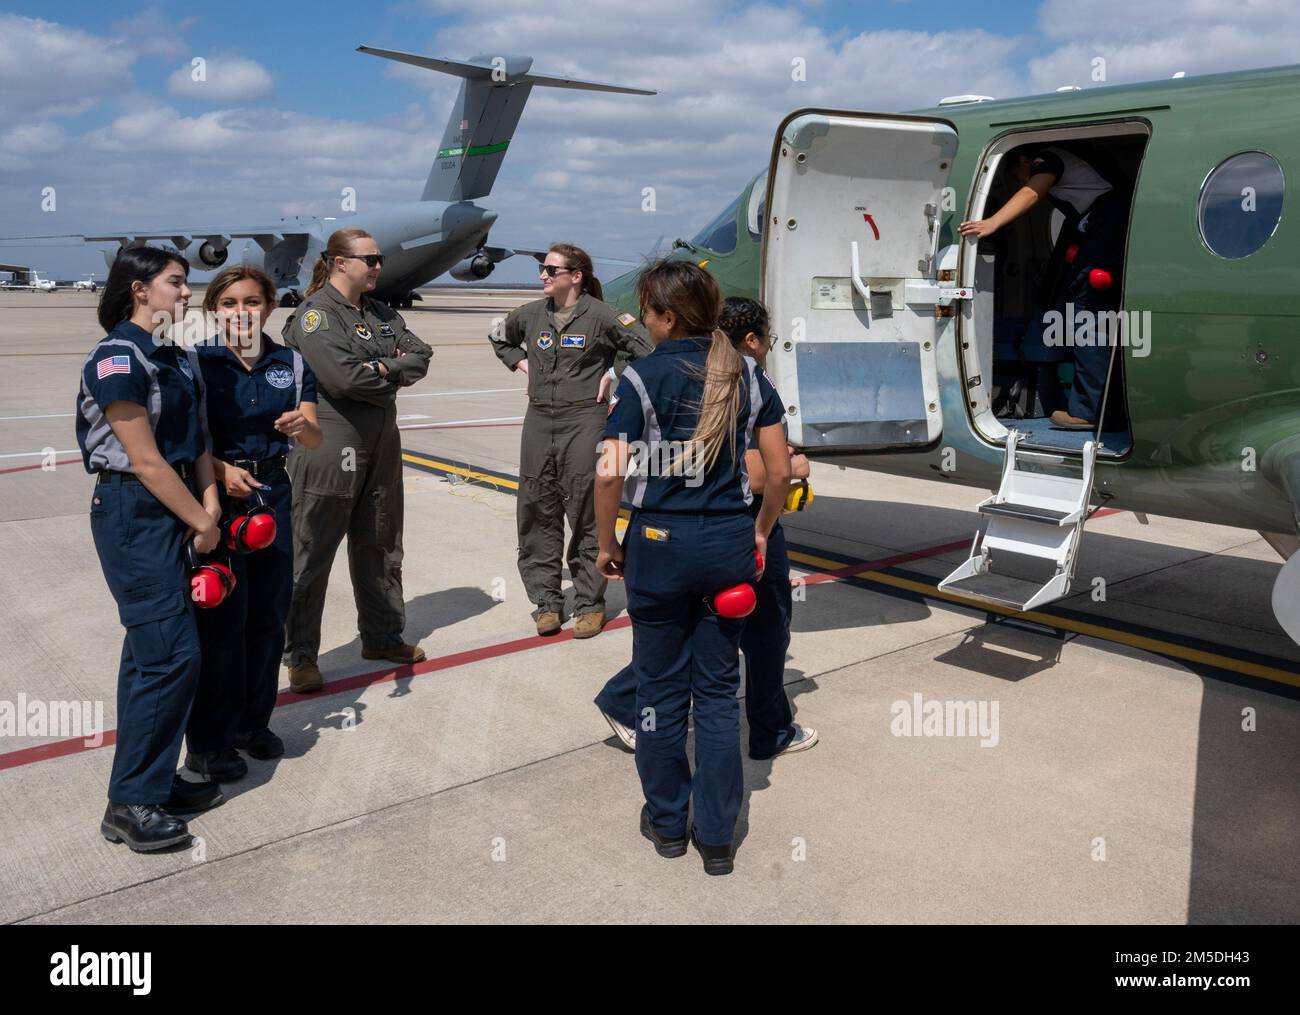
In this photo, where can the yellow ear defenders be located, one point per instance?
(798, 497)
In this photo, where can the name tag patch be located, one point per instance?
(545, 340)
(573, 341)
(386, 330)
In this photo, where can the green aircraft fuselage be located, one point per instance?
(1214, 409)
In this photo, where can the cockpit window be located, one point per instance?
(719, 236)
(757, 197)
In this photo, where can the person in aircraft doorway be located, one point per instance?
(1095, 212)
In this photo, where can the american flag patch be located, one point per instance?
(113, 365)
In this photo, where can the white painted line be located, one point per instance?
(412, 415)
(462, 422)
(436, 394)
(41, 454)
(51, 415)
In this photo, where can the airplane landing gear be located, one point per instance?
(290, 299)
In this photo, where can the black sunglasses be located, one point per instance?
(372, 260)
(553, 269)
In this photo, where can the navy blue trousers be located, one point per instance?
(1101, 245)
(764, 641)
(140, 548)
(686, 659)
(243, 638)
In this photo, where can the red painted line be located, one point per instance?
(78, 745)
(874, 565)
(58, 749)
(27, 468)
(505, 648)
(1103, 512)
(455, 426)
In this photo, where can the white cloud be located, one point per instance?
(1145, 43)
(579, 161)
(51, 70)
(220, 78)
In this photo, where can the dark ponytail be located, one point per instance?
(133, 264)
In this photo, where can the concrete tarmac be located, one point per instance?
(1141, 767)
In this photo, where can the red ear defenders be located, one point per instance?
(254, 529)
(738, 600)
(210, 581)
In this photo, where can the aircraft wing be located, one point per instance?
(501, 253)
(265, 236)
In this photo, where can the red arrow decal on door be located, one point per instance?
(872, 223)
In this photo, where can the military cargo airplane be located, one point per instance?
(901, 345)
(444, 231)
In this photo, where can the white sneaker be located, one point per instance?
(624, 733)
(804, 738)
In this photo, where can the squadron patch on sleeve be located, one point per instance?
(627, 320)
(313, 320)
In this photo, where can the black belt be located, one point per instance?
(183, 469)
(265, 467)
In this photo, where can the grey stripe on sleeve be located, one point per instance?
(297, 378)
(202, 388)
(755, 407)
(104, 450)
(652, 437)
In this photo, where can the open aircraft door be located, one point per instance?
(849, 276)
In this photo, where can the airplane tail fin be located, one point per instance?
(483, 120)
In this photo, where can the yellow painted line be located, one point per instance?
(509, 484)
(1167, 648)
(1156, 645)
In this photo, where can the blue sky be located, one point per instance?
(92, 107)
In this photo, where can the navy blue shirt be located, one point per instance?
(656, 408)
(243, 405)
(128, 365)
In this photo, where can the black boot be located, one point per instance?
(260, 744)
(144, 827)
(717, 859)
(193, 797)
(224, 765)
(670, 848)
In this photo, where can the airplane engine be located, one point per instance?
(207, 255)
(473, 269)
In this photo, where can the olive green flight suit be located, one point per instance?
(562, 431)
(352, 483)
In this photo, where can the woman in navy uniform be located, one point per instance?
(766, 635)
(261, 399)
(141, 430)
(691, 407)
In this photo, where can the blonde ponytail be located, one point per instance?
(340, 243)
(720, 406)
(693, 295)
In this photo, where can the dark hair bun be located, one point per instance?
(740, 316)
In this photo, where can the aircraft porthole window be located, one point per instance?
(1240, 204)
